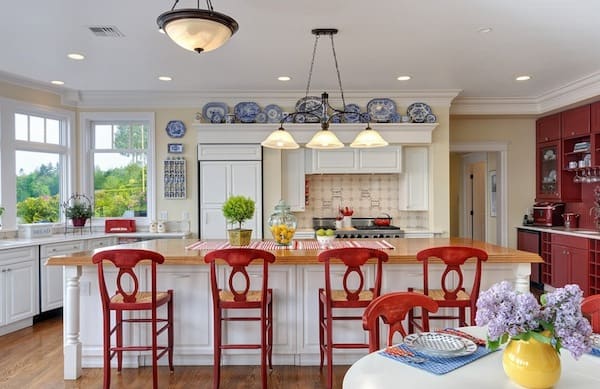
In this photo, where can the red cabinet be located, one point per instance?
(528, 240)
(570, 261)
(576, 121)
(548, 128)
(595, 117)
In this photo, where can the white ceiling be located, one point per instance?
(435, 41)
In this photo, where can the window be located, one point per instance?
(41, 159)
(119, 166)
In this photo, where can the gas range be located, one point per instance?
(361, 228)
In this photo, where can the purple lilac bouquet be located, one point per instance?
(513, 315)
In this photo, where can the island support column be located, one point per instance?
(71, 341)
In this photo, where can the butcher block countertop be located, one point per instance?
(404, 251)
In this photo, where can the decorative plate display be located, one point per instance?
(216, 117)
(299, 118)
(274, 113)
(352, 117)
(261, 117)
(214, 107)
(246, 111)
(395, 118)
(431, 118)
(365, 117)
(310, 104)
(418, 112)
(440, 345)
(175, 129)
(381, 109)
(335, 119)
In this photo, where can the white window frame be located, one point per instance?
(86, 119)
(9, 145)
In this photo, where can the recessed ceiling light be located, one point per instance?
(404, 78)
(523, 78)
(57, 82)
(284, 78)
(165, 78)
(485, 30)
(76, 56)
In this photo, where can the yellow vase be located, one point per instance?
(531, 364)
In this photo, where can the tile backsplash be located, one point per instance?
(369, 195)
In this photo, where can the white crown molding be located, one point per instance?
(288, 99)
(578, 91)
(33, 84)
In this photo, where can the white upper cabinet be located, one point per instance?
(347, 160)
(293, 179)
(414, 180)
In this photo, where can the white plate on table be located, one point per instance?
(440, 345)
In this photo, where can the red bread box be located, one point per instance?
(119, 225)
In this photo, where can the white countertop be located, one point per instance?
(23, 242)
(580, 232)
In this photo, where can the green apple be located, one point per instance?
(321, 232)
(330, 232)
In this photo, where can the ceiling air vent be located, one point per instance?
(106, 31)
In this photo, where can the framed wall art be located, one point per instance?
(175, 148)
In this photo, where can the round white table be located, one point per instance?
(375, 371)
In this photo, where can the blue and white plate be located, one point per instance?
(261, 117)
(246, 111)
(381, 109)
(216, 117)
(175, 129)
(352, 117)
(214, 107)
(299, 118)
(365, 117)
(274, 113)
(335, 119)
(431, 118)
(418, 112)
(310, 104)
(395, 118)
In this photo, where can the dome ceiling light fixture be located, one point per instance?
(324, 138)
(196, 29)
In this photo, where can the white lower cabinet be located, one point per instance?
(18, 288)
(51, 277)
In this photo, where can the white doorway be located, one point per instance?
(489, 205)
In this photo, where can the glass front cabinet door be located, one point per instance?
(548, 171)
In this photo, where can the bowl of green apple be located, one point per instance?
(325, 236)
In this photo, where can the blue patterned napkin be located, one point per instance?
(436, 365)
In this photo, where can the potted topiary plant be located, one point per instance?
(238, 209)
(78, 209)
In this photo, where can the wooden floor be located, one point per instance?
(32, 358)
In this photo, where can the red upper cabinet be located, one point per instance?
(576, 121)
(595, 117)
(548, 128)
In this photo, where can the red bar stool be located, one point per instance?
(131, 299)
(360, 297)
(242, 297)
(590, 307)
(393, 308)
(449, 297)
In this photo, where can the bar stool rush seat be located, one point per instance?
(241, 297)
(349, 297)
(130, 300)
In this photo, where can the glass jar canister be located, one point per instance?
(282, 224)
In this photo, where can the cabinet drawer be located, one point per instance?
(570, 241)
(18, 254)
(51, 249)
(102, 242)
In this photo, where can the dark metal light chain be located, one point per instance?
(337, 69)
(312, 64)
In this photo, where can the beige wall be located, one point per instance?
(32, 96)
(519, 132)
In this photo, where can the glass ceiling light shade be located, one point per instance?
(197, 29)
(368, 138)
(280, 139)
(323, 139)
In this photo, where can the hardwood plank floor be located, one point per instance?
(32, 358)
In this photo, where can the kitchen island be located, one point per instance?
(295, 278)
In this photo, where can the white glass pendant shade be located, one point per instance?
(324, 139)
(280, 139)
(368, 138)
(196, 29)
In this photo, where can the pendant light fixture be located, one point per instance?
(196, 29)
(324, 138)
